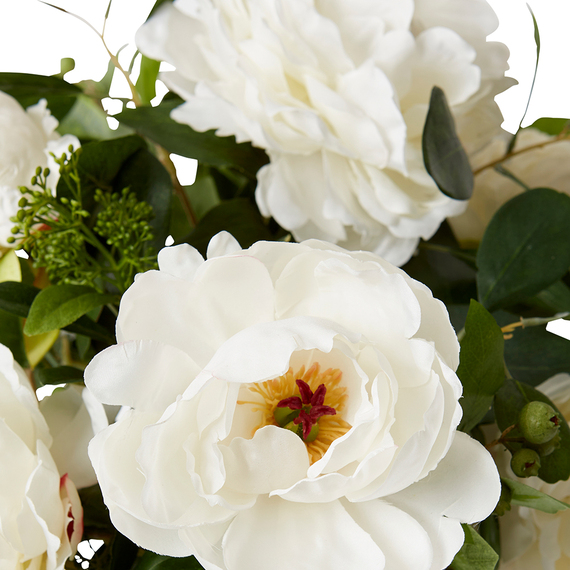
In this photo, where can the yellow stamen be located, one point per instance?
(273, 391)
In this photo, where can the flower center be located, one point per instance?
(308, 402)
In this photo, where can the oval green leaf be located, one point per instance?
(475, 554)
(525, 496)
(444, 157)
(524, 249)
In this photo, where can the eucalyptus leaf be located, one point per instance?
(29, 88)
(57, 375)
(239, 217)
(524, 248)
(146, 82)
(509, 401)
(475, 554)
(444, 157)
(152, 561)
(60, 305)
(11, 335)
(481, 367)
(525, 496)
(156, 124)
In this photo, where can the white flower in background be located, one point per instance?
(290, 406)
(27, 137)
(73, 416)
(41, 519)
(546, 167)
(337, 93)
(531, 539)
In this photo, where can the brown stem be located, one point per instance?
(501, 438)
(562, 136)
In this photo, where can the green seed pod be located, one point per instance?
(525, 462)
(544, 449)
(538, 422)
(11, 239)
(285, 415)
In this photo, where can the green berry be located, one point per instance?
(544, 449)
(525, 462)
(538, 422)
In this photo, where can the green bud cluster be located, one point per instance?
(61, 235)
(539, 425)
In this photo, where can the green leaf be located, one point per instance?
(28, 89)
(475, 554)
(57, 375)
(150, 181)
(156, 124)
(60, 305)
(525, 496)
(524, 248)
(152, 561)
(87, 121)
(11, 335)
(17, 298)
(157, 5)
(533, 354)
(444, 157)
(491, 533)
(239, 217)
(99, 163)
(146, 82)
(509, 401)
(549, 125)
(481, 368)
(95, 513)
(555, 298)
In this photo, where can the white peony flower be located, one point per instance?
(227, 365)
(73, 416)
(26, 140)
(41, 519)
(546, 167)
(531, 539)
(337, 93)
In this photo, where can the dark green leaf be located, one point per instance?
(555, 298)
(150, 181)
(525, 496)
(87, 121)
(533, 354)
(123, 553)
(11, 335)
(490, 532)
(156, 124)
(549, 125)
(60, 305)
(239, 217)
(146, 82)
(17, 298)
(475, 554)
(524, 248)
(28, 89)
(444, 157)
(99, 163)
(509, 401)
(88, 327)
(57, 375)
(95, 513)
(152, 561)
(481, 368)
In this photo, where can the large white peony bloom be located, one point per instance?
(337, 93)
(531, 539)
(291, 406)
(41, 519)
(26, 140)
(541, 167)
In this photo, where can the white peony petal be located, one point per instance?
(281, 535)
(223, 243)
(180, 260)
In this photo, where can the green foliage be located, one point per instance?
(444, 157)
(146, 81)
(524, 248)
(11, 335)
(57, 375)
(28, 89)
(156, 124)
(509, 401)
(525, 496)
(152, 561)
(549, 125)
(60, 305)
(475, 554)
(481, 368)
